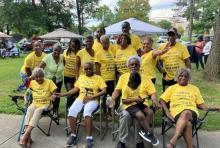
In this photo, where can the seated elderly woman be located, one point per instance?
(90, 87)
(42, 89)
(184, 99)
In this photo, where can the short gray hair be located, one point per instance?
(58, 46)
(183, 70)
(133, 58)
(91, 63)
(38, 71)
(104, 37)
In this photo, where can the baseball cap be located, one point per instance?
(173, 31)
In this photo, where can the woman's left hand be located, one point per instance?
(157, 104)
(87, 99)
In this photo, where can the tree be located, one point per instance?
(191, 16)
(133, 8)
(164, 24)
(212, 69)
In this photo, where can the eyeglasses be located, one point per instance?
(87, 68)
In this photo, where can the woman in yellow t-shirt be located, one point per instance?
(69, 67)
(90, 87)
(149, 59)
(123, 52)
(184, 99)
(42, 89)
(85, 55)
(30, 62)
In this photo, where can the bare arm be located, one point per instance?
(128, 100)
(116, 94)
(204, 106)
(155, 100)
(78, 64)
(42, 64)
(97, 66)
(70, 92)
(187, 63)
(28, 71)
(166, 110)
(160, 68)
(89, 98)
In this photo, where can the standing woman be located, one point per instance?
(199, 49)
(69, 67)
(85, 55)
(53, 66)
(149, 59)
(123, 52)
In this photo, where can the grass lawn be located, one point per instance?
(9, 80)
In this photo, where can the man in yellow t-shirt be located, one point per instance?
(174, 56)
(30, 62)
(42, 89)
(125, 118)
(184, 99)
(135, 40)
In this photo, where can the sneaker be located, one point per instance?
(89, 143)
(140, 145)
(120, 145)
(72, 140)
(149, 137)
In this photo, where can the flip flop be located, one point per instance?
(173, 145)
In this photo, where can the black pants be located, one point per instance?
(110, 89)
(56, 103)
(206, 58)
(167, 83)
(69, 84)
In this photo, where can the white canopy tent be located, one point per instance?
(60, 33)
(137, 27)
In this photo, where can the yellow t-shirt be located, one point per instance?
(121, 58)
(70, 62)
(182, 97)
(135, 42)
(97, 46)
(89, 85)
(148, 65)
(41, 92)
(84, 57)
(173, 59)
(106, 59)
(145, 89)
(32, 61)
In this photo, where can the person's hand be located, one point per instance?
(111, 104)
(157, 104)
(139, 100)
(87, 99)
(54, 96)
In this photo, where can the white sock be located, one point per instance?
(74, 135)
(89, 137)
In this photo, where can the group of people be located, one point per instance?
(202, 47)
(92, 72)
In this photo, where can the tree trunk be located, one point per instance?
(212, 68)
(79, 17)
(191, 5)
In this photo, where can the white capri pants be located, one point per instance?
(78, 105)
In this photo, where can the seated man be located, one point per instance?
(184, 99)
(42, 90)
(125, 118)
(88, 86)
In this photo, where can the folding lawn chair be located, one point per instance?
(168, 124)
(48, 113)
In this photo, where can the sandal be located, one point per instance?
(173, 145)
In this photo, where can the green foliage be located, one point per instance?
(164, 24)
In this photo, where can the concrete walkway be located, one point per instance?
(10, 124)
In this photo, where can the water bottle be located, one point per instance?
(108, 100)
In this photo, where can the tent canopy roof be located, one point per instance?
(61, 33)
(137, 27)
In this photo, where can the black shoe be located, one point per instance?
(149, 137)
(89, 143)
(120, 145)
(72, 140)
(140, 145)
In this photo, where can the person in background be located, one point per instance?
(53, 66)
(184, 101)
(90, 87)
(105, 66)
(207, 48)
(41, 89)
(69, 67)
(30, 62)
(135, 40)
(174, 56)
(84, 55)
(123, 52)
(199, 49)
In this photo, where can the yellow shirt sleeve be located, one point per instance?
(199, 99)
(167, 94)
(52, 86)
(98, 57)
(148, 89)
(120, 84)
(185, 52)
(102, 83)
